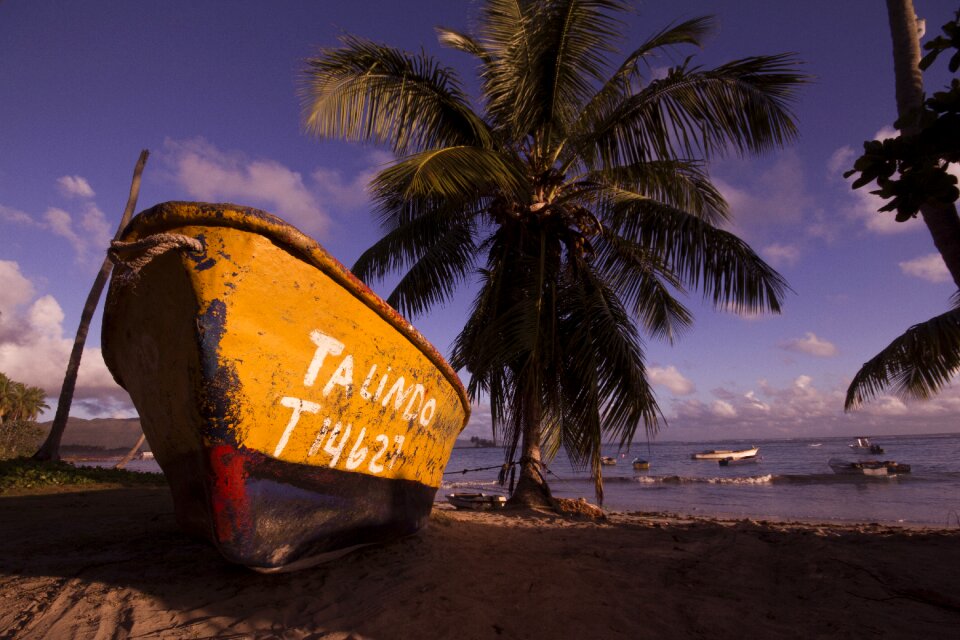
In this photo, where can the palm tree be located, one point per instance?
(574, 191)
(50, 449)
(20, 402)
(941, 220)
(926, 357)
(6, 385)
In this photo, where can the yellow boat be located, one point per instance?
(294, 413)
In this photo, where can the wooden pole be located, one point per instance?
(50, 449)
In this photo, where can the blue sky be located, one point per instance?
(210, 88)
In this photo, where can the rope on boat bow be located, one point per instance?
(130, 257)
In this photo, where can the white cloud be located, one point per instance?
(75, 187)
(810, 344)
(207, 173)
(35, 351)
(802, 409)
(781, 254)
(723, 409)
(929, 267)
(672, 379)
(93, 237)
(8, 214)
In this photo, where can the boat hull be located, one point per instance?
(294, 414)
(721, 454)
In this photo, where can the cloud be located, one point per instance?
(35, 351)
(929, 267)
(8, 214)
(672, 379)
(723, 409)
(773, 196)
(207, 173)
(75, 187)
(811, 345)
(781, 254)
(804, 409)
(92, 238)
(336, 190)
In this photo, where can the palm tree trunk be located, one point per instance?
(942, 220)
(133, 451)
(50, 449)
(531, 489)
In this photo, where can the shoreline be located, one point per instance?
(111, 560)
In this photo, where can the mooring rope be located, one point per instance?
(130, 257)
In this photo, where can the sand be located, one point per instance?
(111, 563)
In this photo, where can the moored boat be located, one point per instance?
(868, 467)
(476, 501)
(720, 454)
(863, 445)
(295, 415)
(728, 462)
(641, 465)
(608, 460)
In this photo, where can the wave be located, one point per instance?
(764, 479)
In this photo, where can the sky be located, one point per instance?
(211, 89)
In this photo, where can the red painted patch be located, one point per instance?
(229, 500)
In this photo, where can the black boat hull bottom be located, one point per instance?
(273, 516)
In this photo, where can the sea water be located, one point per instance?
(792, 480)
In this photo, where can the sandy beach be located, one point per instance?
(111, 563)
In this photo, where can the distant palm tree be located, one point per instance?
(574, 190)
(6, 386)
(20, 402)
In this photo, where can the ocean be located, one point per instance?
(791, 482)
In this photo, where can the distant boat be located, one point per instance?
(868, 467)
(146, 455)
(817, 444)
(294, 413)
(727, 462)
(641, 465)
(720, 454)
(608, 460)
(476, 501)
(864, 444)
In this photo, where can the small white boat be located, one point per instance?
(146, 455)
(868, 467)
(728, 462)
(720, 454)
(608, 460)
(864, 445)
(476, 501)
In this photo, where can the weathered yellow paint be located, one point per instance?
(307, 348)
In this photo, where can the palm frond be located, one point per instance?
(451, 174)
(682, 184)
(644, 283)
(743, 105)
(720, 264)
(367, 92)
(619, 84)
(916, 364)
(463, 42)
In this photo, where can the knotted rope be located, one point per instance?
(130, 257)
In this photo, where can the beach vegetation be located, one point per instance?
(20, 404)
(26, 473)
(572, 193)
(911, 172)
